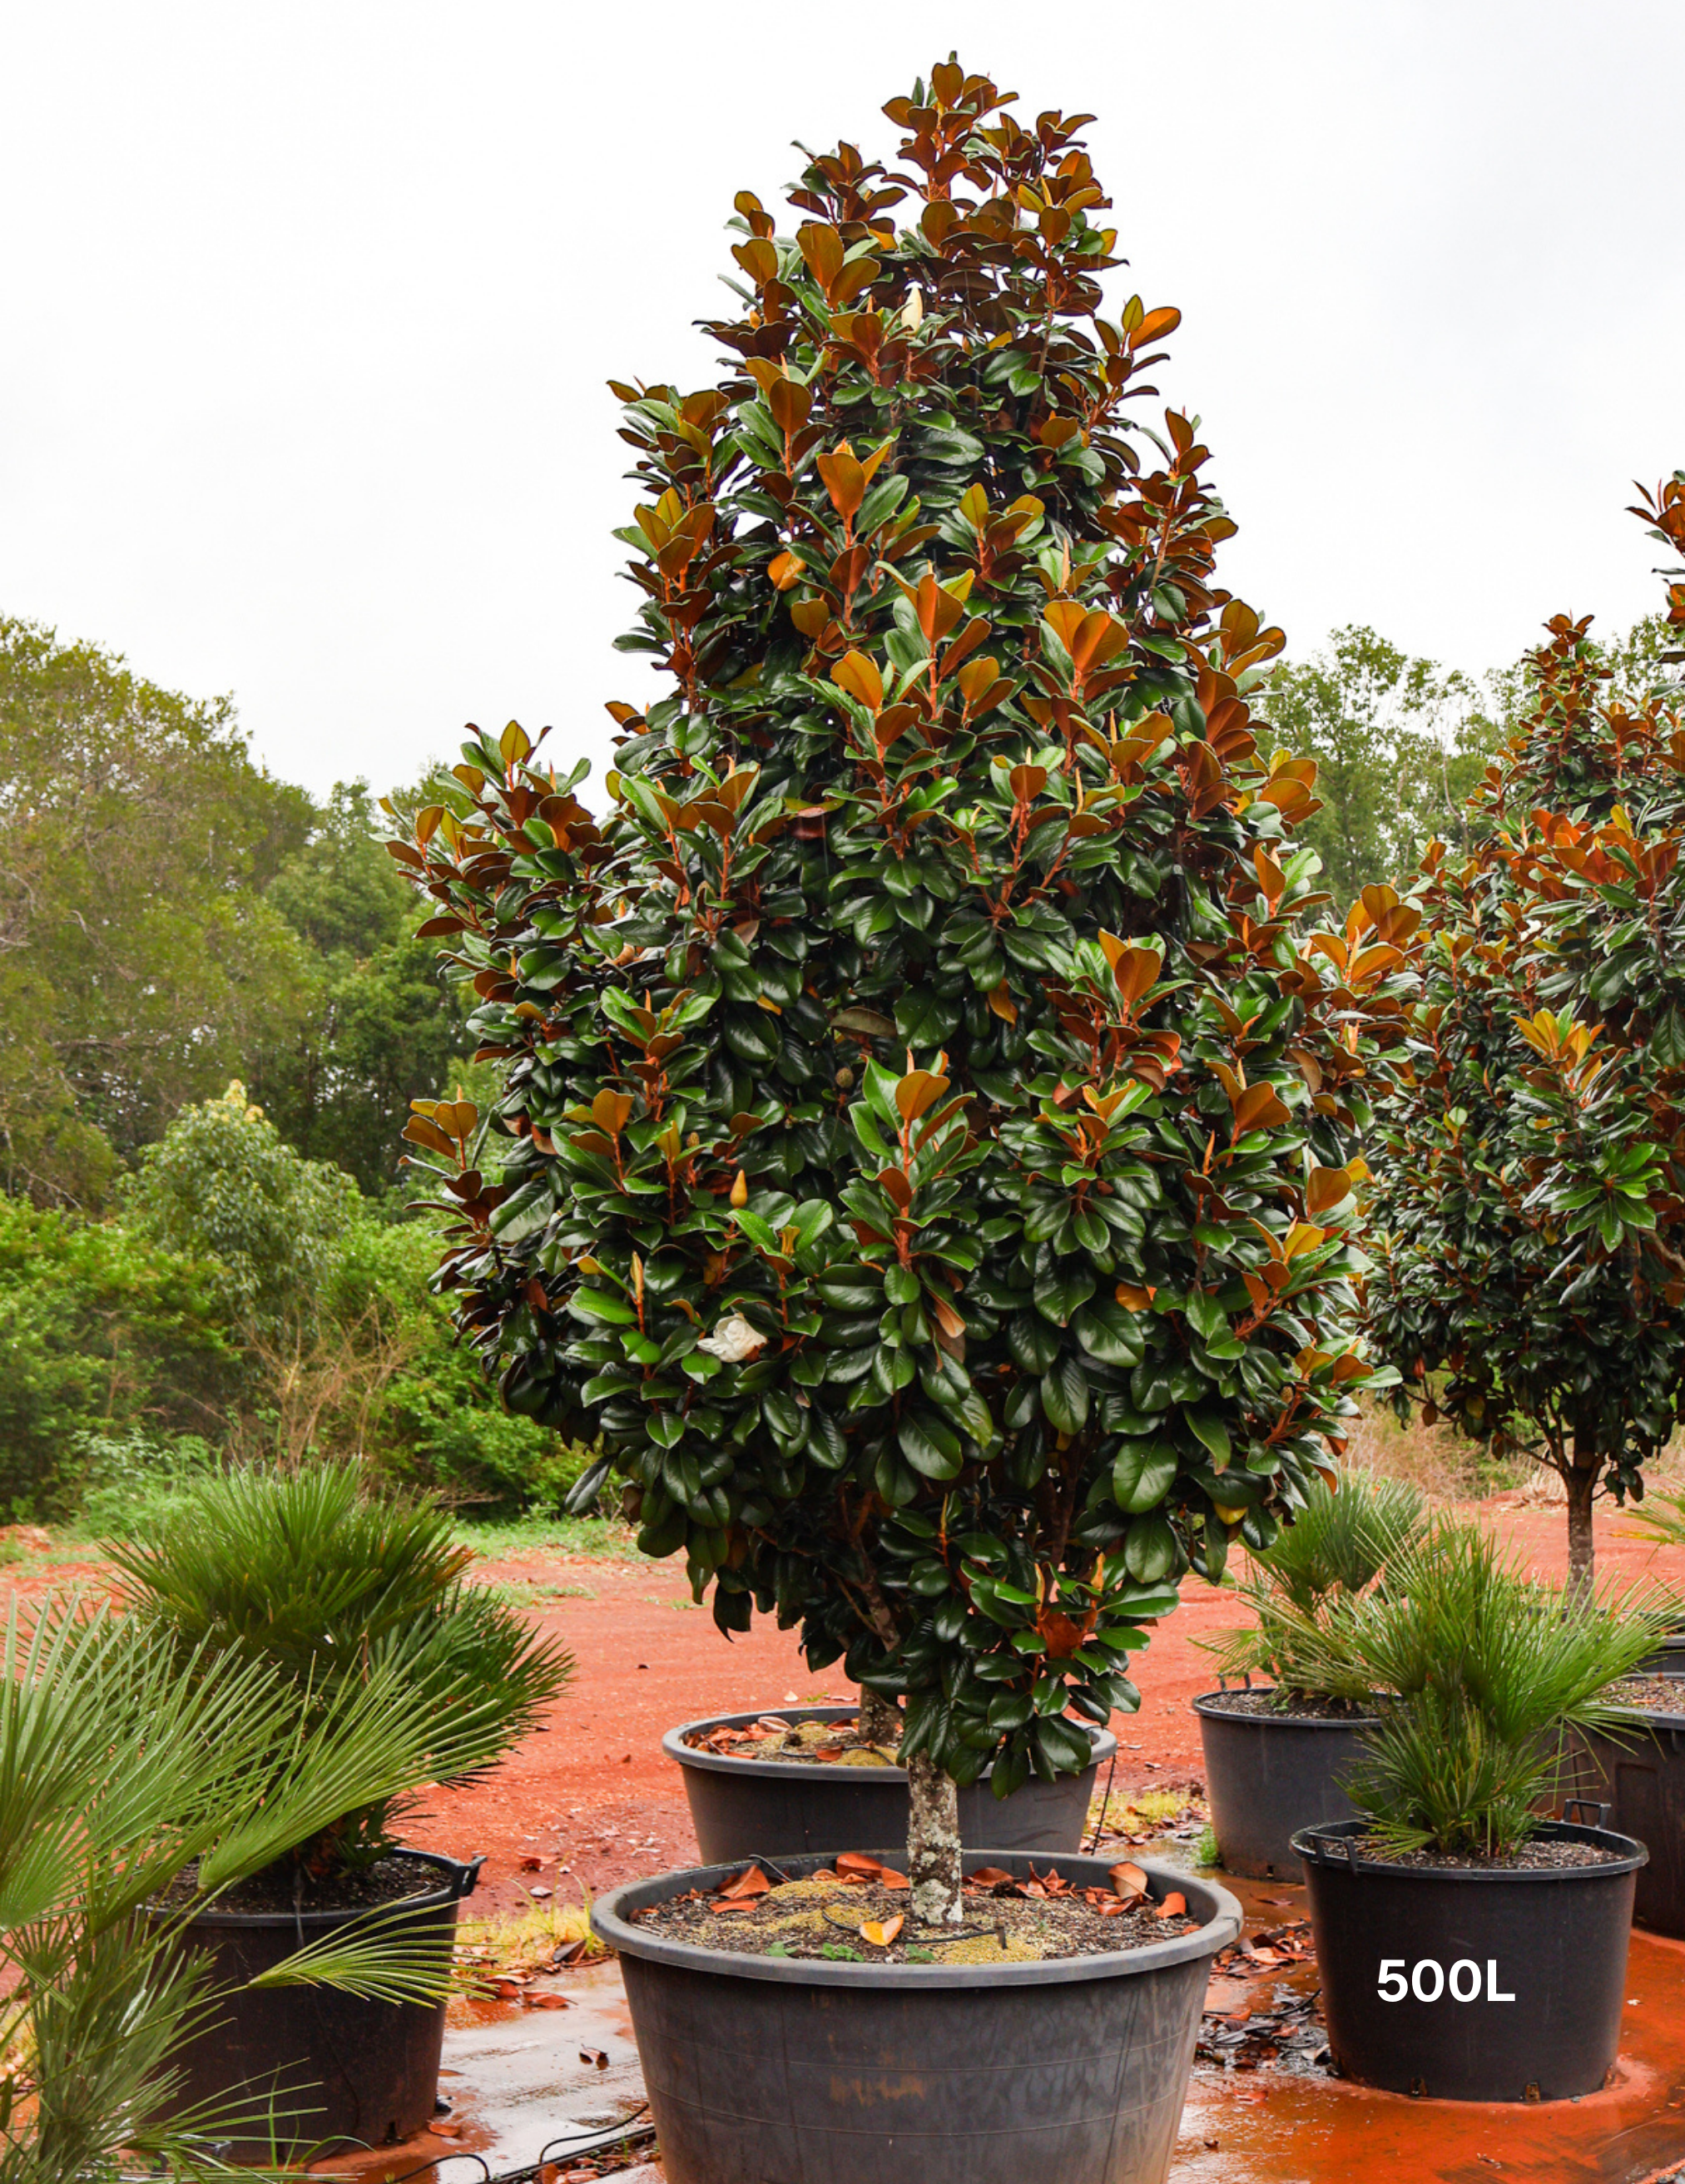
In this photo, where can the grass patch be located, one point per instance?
(1438, 1459)
(1205, 1851)
(526, 1941)
(1156, 1808)
(500, 1539)
(518, 1592)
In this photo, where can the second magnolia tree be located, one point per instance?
(932, 1135)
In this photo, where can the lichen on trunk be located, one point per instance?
(933, 1844)
(879, 1721)
(1581, 1479)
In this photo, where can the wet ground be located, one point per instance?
(1259, 2117)
(531, 2082)
(528, 2082)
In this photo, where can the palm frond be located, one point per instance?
(1338, 1544)
(1489, 1666)
(388, 1956)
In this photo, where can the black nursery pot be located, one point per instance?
(1471, 1983)
(1667, 1660)
(341, 2067)
(766, 1807)
(777, 2070)
(1639, 1777)
(1267, 1775)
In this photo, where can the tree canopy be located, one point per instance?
(934, 1129)
(138, 961)
(1531, 1204)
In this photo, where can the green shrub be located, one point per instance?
(1338, 1545)
(104, 1331)
(222, 1186)
(1490, 1668)
(127, 1482)
(318, 1579)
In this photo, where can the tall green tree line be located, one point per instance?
(172, 915)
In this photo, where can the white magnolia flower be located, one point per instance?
(733, 1340)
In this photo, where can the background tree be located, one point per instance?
(1399, 745)
(376, 1025)
(138, 958)
(1532, 1201)
(932, 1153)
(223, 1186)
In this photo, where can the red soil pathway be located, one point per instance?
(595, 1792)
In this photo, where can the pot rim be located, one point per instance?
(1307, 1842)
(1204, 1706)
(1644, 1718)
(816, 1770)
(459, 1879)
(1221, 1926)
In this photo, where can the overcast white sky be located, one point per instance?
(308, 309)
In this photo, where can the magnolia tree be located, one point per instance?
(1531, 1202)
(927, 1146)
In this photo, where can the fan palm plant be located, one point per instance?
(331, 1588)
(127, 1764)
(1490, 1669)
(1338, 1545)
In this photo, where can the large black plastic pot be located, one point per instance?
(1267, 1775)
(1638, 1776)
(340, 2067)
(1471, 1983)
(1668, 1659)
(767, 1808)
(775, 2070)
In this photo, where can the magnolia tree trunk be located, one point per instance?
(1581, 1477)
(879, 1719)
(933, 1848)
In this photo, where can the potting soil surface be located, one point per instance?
(806, 1744)
(860, 1912)
(1290, 1706)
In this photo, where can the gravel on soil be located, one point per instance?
(1281, 1704)
(1538, 1854)
(1650, 1694)
(824, 1917)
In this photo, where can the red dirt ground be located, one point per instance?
(593, 1791)
(596, 1792)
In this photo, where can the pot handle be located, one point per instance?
(467, 1876)
(1329, 1844)
(1587, 1805)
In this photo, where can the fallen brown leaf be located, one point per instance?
(881, 1933)
(751, 1881)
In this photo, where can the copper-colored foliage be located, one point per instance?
(945, 854)
(1534, 1204)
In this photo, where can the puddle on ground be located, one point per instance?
(519, 2079)
(1264, 2106)
(1284, 2118)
